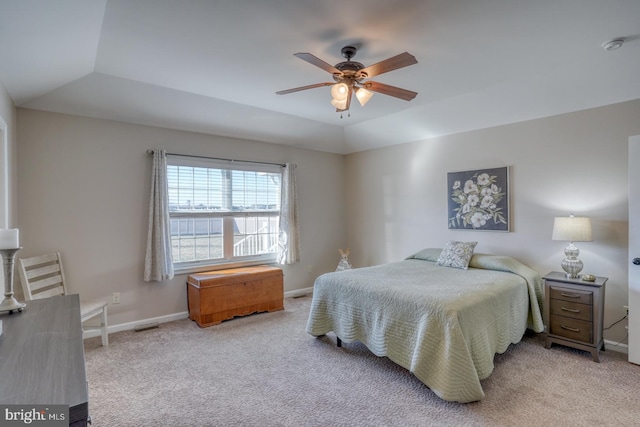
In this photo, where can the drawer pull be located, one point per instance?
(572, 310)
(569, 295)
(570, 329)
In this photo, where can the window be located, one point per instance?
(222, 212)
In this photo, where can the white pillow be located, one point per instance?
(456, 254)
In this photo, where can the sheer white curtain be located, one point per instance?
(289, 242)
(158, 263)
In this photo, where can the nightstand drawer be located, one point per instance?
(573, 295)
(574, 329)
(572, 309)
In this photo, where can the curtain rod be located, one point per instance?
(149, 152)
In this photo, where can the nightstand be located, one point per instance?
(573, 312)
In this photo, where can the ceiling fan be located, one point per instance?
(349, 78)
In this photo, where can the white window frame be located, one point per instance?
(228, 217)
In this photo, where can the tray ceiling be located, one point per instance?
(214, 66)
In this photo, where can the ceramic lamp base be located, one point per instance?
(9, 303)
(571, 264)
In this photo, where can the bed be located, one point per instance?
(443, 324)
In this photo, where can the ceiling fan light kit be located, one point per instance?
(363, 95)
(349, 78)
(339, 104)
(339, 91)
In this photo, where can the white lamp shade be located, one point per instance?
(339, 91)
(363, 95)
(339, 104)
(572, 229)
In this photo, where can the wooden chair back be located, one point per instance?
(42, 276)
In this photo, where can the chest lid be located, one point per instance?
(232, 275)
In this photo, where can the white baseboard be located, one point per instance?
(616, 346)
(129, 326)
(298, 293)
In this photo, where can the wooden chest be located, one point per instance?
(224, 294)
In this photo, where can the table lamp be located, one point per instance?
(572, 229)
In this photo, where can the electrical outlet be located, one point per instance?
(115, 299)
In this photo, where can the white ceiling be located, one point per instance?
(214, 66)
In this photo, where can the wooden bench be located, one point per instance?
(224, 294)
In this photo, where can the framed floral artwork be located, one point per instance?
(479, 199)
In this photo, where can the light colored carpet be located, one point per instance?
(264, 370)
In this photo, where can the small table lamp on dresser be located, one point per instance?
(572, 229)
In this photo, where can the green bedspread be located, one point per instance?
(443, 324)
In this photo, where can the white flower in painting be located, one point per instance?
(470, 187)
(473, 200)
(465, 208)
(456, 185)
(494, 189)
(483, 179)
(486, 202)
(478, 220)
(486, 191)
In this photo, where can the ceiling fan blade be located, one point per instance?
(298, 89)
(396, 92)
(399, 61)
(314, 60)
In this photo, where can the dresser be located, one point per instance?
(224, 294)
(573, 312)
(42, 357)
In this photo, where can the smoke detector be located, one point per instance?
(613, 44)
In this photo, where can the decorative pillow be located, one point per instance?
(456, 254)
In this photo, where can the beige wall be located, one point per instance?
(397, 196)
(83, 188)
